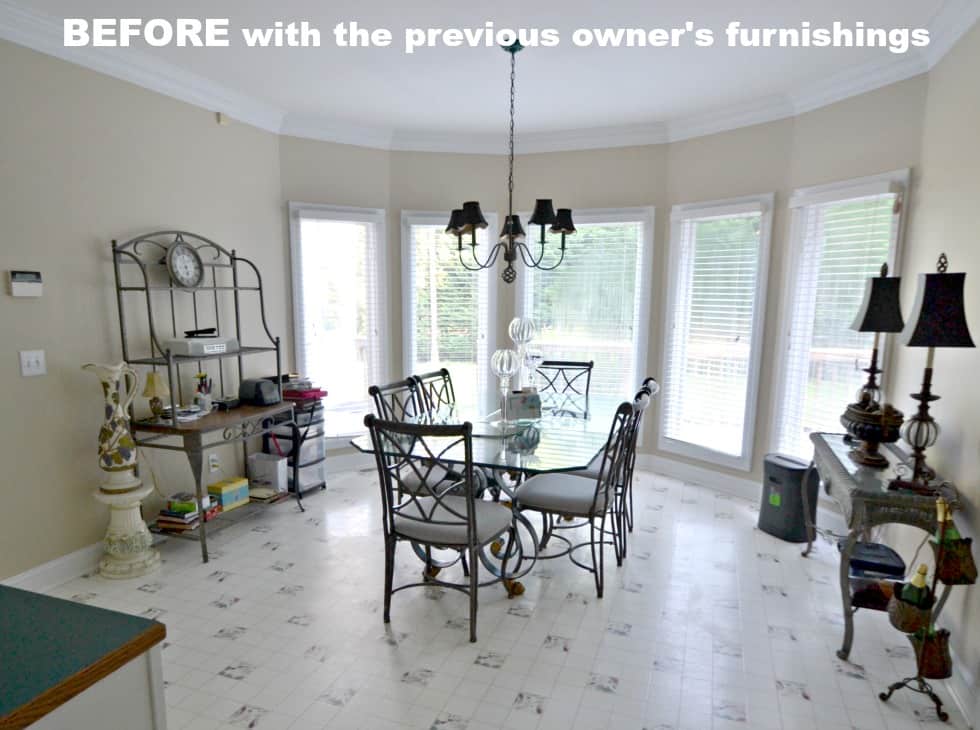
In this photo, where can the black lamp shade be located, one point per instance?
(544, 213)
(512, 227)
(881, 309)
(473, 216)
(455, 226)
(938, 316)
(563, 222)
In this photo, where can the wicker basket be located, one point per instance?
(954, 562)
(908, 618)
(932, 654)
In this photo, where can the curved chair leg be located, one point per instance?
(389, 576)
(474, 582)
(629, 504)
(597, 560)
(466, 567)
(614, 523)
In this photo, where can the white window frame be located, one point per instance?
(762, 204)
(374, 216)
(645, 214)
(894, 181)
(411, 218)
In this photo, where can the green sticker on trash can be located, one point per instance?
(775, 498)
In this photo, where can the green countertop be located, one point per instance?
(51, 649)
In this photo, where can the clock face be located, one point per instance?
(185, 265)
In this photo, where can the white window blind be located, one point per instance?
(595, 306)
(719, 256)
(339, 307)
(448, 311)
(839, 244)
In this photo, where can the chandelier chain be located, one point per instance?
(510, 160)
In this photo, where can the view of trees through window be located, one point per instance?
(711, 335)
(449, 312)
(589, 307)
(844, 243)
(338, 316)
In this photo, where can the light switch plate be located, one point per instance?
(32, 363)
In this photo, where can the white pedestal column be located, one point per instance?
(128, 551)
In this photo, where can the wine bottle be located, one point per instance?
(915, 591)
(945, 528)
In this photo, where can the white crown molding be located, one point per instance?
(44, 33)
(953, 20)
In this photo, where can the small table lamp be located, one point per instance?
(938, 320)
(868, 420)
(156, 390)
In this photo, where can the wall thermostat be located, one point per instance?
(25, 283)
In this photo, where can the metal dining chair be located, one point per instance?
(436, 390)
(402, 402)
(436, 514)
(624, 484)
(398, 401)
(556, 495)
(565, 387)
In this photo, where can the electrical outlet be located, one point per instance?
(32, 363)
(213, 463)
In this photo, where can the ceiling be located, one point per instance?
(456, 98)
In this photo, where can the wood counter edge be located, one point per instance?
(54, 697)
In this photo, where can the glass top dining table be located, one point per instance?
(558, 441)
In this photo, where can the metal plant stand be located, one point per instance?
(152, 307)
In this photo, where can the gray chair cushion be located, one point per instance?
(491, 520)
(591, 471)
(560, 493)
(411, 481)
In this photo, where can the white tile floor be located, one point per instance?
(710, 624)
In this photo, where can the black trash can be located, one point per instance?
(781, 512)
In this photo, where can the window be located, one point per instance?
(448, 311)
(339, 307)
(595, 306)
(719, 256)
(841, 235)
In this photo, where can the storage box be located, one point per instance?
(230, 493)
(309, 477)
(267, 470)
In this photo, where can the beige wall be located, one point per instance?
(946, 217)
(95, 158)
(84, 159)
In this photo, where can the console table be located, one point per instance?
(235, 426)
(863, 496)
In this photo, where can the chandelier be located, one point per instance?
(512, 241)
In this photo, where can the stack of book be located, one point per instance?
(181, 514)
(300, 388)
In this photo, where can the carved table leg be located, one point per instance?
(845, 592)
(192, 444)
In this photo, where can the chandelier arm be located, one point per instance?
(490, 260)
(528, 258)
(554, 265)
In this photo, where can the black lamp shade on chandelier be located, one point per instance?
(543, 215)
(881, 309)
(512, 230)
(512, 241)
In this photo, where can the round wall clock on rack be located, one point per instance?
(184, 264)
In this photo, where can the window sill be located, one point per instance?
(709, 456)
